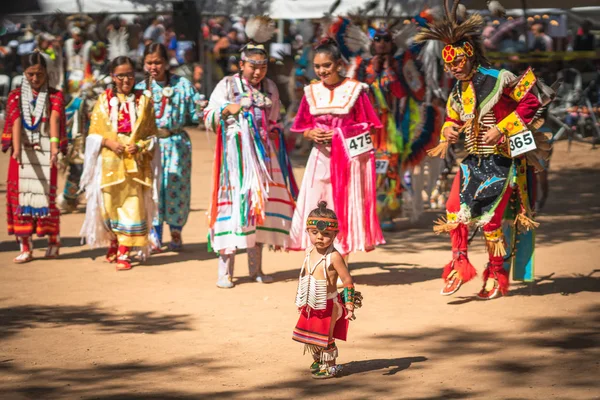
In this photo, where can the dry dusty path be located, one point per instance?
(74, 328)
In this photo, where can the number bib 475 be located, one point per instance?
(359, 144)
(521, 143)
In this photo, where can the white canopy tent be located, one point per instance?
(92, 6)
(314, 9)
(563, 4)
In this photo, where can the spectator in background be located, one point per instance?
(510, 43)
(541, 41)
(198, 75)
(239, 26)
(537, 38)
(155, 31)
(226, 48)
(186, 69)
(585, 40)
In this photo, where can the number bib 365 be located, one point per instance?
(359, 144)
(521, 143)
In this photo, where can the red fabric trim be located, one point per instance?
(26, 225)
(526, 108)
(313, 325)
(12, 113)
(214, 204)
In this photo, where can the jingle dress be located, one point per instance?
(347, 183)
(119, 189)
(175, 105)
(31, 186)
(252, 200)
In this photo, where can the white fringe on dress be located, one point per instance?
(94, 231)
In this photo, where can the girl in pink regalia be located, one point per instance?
(337, 116)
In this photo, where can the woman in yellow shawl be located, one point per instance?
(118, 171)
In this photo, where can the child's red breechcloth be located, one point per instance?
(313, 325)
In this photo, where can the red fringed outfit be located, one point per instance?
(26, 225)
(313, 325)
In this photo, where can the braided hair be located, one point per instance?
(161, 50)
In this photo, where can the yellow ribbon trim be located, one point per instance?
(511, 125)
(524, 85)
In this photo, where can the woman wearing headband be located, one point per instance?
(252, 202)
(35, 133)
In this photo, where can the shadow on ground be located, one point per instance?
(560, 351)
(564, 285)
(18, 318)
(190, 252)
(547, 285)
(572, 212)
(380, 274)
(392, 366)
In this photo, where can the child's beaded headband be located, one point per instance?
(252, 46)
(322, 224)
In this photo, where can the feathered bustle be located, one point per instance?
(496, 9)
(403, 35)
(351, 39)
(461, 12)
(260, 29)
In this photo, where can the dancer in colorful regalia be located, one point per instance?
(497, 112)
(176, 103)
(402, 96)
(338, 117)
(324, 313)
(35, 132)
(77, 54)
(119, 172)
(253, 186)
(50, 48)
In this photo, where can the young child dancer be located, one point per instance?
(337, 116)
(323, 318)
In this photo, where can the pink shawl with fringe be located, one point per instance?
(352, 115)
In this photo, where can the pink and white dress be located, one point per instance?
(342, 173)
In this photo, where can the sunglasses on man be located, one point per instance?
(382, 39)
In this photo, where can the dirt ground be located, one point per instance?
(74, 328)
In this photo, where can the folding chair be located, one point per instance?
(16, 82)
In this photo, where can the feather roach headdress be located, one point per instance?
(461, 34)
